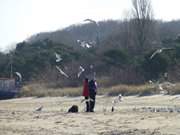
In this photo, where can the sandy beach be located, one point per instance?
(149, 115)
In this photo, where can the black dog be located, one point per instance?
(73, 109)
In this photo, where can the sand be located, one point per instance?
(19, 116)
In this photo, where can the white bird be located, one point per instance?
(115, 101)
(61, 72)
(39, 108)
(78, 41)
(81, 70)
(88, 46)
(84, 44)
(58, 57)
(150, 82)
(19, 75)
(160, 87)
(158, 51)
(91, 66)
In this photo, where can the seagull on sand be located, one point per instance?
(58, 57)
(61, 72)
(39, 108)
(81, 70)
(158, 51)
(115, 101)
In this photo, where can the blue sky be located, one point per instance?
(19, 19)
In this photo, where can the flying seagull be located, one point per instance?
(58, 57)
(92, 21)
(61, 72)
(160, 87)
(85, 45)
(158, 51)
(91, 67)
(19, 75)
(88, 46)
(81, 70)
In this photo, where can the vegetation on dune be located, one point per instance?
(40, 90)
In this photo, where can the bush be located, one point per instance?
(156, 66)
(147, 92)
(127, 90)
(116, 57)
(38, 90)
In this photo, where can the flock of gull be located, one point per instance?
(59, 59)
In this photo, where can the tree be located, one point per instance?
(142, 9)
(142, 22)
(154, 68)
(116, 57)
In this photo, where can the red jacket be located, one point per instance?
(85, 89)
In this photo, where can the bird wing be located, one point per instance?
(160, 87)
(90, 20)
(154, 53)
(159, 51)
(39, 109)
(58, 57)
(81, 69)
(88, 46)
(19, 75)
(79, 74)
(63, 73)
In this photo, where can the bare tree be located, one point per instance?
(142, 22)
(142, 9)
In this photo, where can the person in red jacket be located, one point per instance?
(86, 93)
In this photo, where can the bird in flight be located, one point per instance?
(58, 57)
(158, 51)
(61, 72)
(81, 70)
(19, 75)
(90, 20)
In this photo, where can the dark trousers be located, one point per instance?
(87, 104)
(92, 102)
